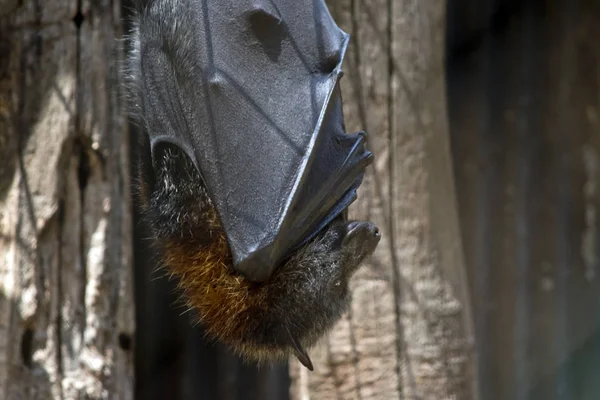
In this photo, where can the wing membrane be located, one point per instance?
(249, 89)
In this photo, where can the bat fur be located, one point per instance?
(265, 321)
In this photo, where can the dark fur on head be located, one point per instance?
(285, 314)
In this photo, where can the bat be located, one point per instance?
(245, 170)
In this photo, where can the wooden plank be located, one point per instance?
(65, 286)
(405, 335)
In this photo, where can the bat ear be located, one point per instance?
(300, 353)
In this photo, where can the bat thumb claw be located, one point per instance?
(303, 357)
(300, 353)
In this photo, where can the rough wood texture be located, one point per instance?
(66, 310)
(409, 333)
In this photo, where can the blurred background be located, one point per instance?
(484, 119)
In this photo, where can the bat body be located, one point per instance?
(245, 169)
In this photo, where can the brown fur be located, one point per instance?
(223, 299)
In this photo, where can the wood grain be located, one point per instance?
(66, 309)
(409, 332)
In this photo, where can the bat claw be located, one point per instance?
(303, 357)
(300, 353)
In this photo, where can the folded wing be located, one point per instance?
(249, 89)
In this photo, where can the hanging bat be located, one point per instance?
(245, 169)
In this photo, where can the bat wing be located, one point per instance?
(249, 89)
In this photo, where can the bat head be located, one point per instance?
(264, 321)
(314, 281)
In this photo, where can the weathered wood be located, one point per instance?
(409, 332)
(66, 309)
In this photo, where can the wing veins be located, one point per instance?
(282, 134)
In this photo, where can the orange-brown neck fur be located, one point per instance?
(223, 299)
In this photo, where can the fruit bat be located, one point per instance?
(245, 169)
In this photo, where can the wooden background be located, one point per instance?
(66, 293)
(485, 187)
